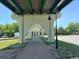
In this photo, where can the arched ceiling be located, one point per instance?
(37, 28)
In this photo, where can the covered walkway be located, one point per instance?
(36, 49)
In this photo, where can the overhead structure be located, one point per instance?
(30, 12)
(35, 6)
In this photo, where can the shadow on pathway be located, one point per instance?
(36, 49)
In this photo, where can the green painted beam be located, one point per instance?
(28, 8)
(17, 5)
(30, 3)
(41, 6)
(54, 6)
(65, 3)
(4, 2)
(44, 4)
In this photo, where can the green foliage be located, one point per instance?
(60, 30)
(71, 28)
(9, 29)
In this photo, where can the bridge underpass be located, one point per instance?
(30, 12)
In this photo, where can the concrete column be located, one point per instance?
(42, 33)
(21, 30)
(51, 29)
(20, 22)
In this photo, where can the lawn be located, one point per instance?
(65, 49)
(70, 48)
(6, 43)
(45, 40)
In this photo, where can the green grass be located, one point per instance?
(14, 46)
(6, 43)
(66, 47)
(10, 44)
(73, 49)
(45, 40)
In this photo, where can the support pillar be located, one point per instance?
(51, 29)
(21, 30)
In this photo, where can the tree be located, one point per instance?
(9, 29)
(60, 30)
(16, 27)
(72, 27)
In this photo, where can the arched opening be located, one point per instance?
(37, 30)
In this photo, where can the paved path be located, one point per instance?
(74, 39)
(36, 49)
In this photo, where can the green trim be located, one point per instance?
(28, 8)
(54, 6)
(4, 2)
(44, 3)
(17, 5)
(65, 3)
(30, 3)
(41, 6)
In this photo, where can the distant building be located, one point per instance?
(16, 34)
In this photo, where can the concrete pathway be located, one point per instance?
(74, 39)
(36, 49)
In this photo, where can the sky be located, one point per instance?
(69, 14)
